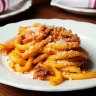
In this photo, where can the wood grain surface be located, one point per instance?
(46, 11)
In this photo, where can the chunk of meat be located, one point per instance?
(41, 71)
(73, 38)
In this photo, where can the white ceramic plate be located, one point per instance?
(23, 6)
(75, 10)
(87, 33)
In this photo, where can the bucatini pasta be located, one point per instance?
(52, 53)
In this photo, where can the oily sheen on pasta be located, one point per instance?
(51, 53)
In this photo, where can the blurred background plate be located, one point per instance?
(75, 10)
(22, 6)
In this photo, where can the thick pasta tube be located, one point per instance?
(1, 47)
(14, 57)
(35, 49)
(18, 52)
(57, 79)
(7, 47)
(24, 46)
(63, 45)
(73, 69)
(48, 50)
(79, 76)
(40, 58)
(26, 67)
(60, 64)
(67, 54)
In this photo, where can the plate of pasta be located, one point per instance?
(48, 55)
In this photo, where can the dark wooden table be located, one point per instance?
(45, 11)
